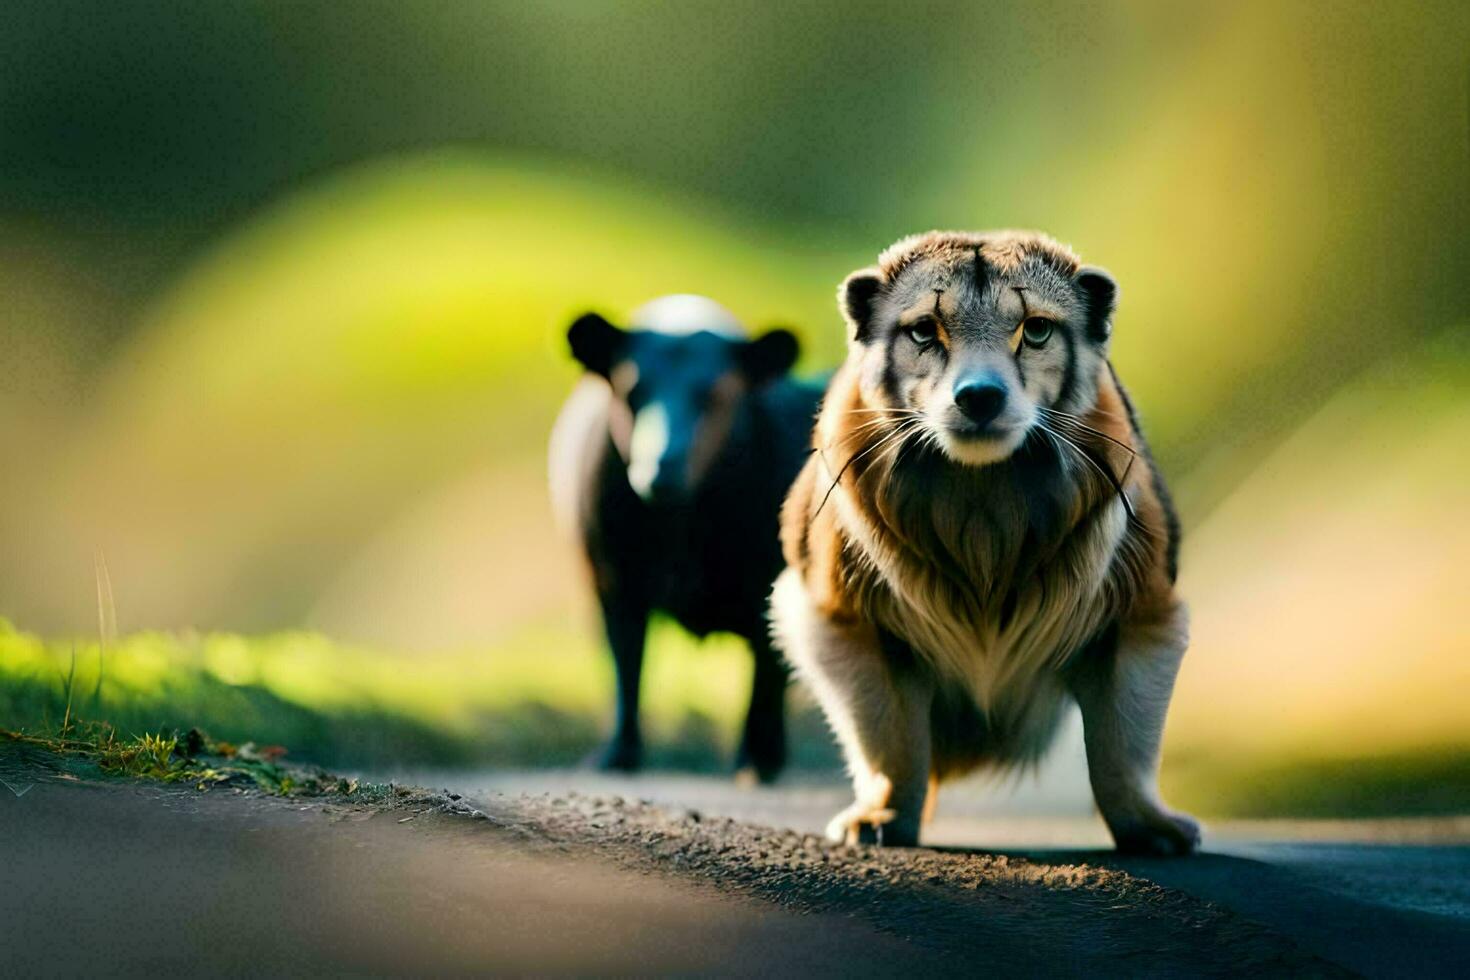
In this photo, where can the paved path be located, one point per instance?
(1382, 897)
(120, 879)
(136, 881)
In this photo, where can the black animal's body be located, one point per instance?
(671, 461)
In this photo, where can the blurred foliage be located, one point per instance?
(282, 290)
(1428, 779)
(1326, 595)
(353, 350)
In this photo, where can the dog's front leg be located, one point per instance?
(878, 708)
(1124, 694)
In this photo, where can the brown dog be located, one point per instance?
(980, 536)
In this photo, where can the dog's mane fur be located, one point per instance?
(992, 576)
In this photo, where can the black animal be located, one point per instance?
(670, 461)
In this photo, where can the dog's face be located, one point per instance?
(675, 395)
(976, 338)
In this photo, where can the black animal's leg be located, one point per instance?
(626, 623)
(763, 744)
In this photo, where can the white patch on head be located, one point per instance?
(646, 447)
(685, 313)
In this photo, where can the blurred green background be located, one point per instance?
(282, 290)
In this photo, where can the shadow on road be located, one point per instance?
(1350, 904)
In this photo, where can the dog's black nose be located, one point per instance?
(981, 401)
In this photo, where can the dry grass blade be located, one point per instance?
(106, 622)
(71, 677)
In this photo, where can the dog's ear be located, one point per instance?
(855, 298)
(1101, 292)
(769, 356)
(597, 344)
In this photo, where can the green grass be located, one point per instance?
(169, 757)
(541, 698)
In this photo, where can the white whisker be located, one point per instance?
(853, 459)
(1112, 480)
(1062, 418)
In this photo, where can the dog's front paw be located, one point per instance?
(859, 824)
(1159, 833)
(864, 821)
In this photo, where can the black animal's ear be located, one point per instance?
(855, 298)
(1102, 298)
(769, 356)
(596, 343)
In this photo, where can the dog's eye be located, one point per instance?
(923, 332)
(1036, 330)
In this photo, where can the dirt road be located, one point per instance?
(124, 879)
